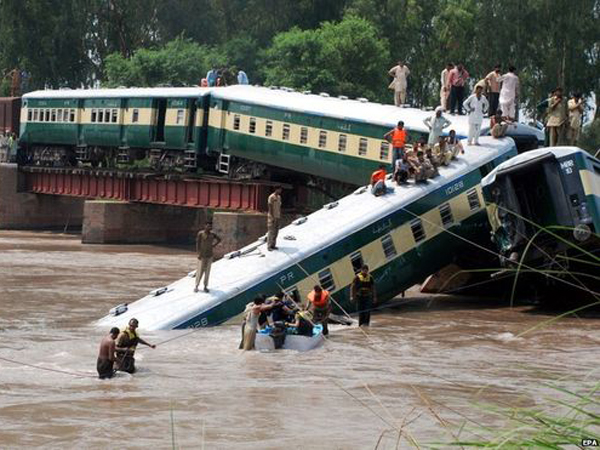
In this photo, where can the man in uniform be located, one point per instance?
(106, 355)
(363, 292)
(575, 106)
(206, 240)
(320, 306)
(273, 218)
(399, 83)
(126, 345)
(557, 117)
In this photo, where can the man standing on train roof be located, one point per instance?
(126, 345)
(509, 93)
(320, 307)
(397, 137)
(492, 82)
(273, 218)
(206, 240)
(445, 86)
(575, 106)
(242, 78)
(106, 355)
(557, 117)
(378, 181)
(436, 125)
(476, 106)
(364, 293)
(457, 78)
(399, 84)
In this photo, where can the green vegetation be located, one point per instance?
(338, 46)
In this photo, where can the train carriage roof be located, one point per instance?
(166, 92)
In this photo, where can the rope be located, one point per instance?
(74, 374)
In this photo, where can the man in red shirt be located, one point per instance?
(378, 181)
(457, 79)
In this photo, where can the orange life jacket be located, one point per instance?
(320, 301)
(399, 138)
(378, 175)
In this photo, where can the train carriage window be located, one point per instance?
(72, 116)
(252, 125)
(107, 115)
(94, 115)
(35, 115)
(135, 116)
(269, 128)
(418, 232)
(384, 151)
(100, 115)
(343, 140)
(357, 261)
(286, 132)
(473, 199)
(47, 115)
(115, 116)
(42, 115)
(446, 215)
(362, 147)
(322, 139)
(53, 117)
(303, 135)
(59, 115)
(294, 294)
(326, 280)
(389, 249)
(179, 120)
(236, 122)
(29, 115)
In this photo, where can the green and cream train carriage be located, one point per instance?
(66, 126)
(544, 208)
(403, 236)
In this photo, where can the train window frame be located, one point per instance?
(100, 115)
(303, 135)
(384, 151)
(446, 215)
(94, 116)
(107, 114)
(114, 118)
(388, 246)
(363, 146)
(293, 293)
(72, 115)
(35, 114)
(473, 199)
(47, 115)
(252, 125)
(269, 128)
(53, 115)
(179, 117)
(285, 132)
(357, 261)
(236, 122)
(326, 279)
(59, 115)
(342, 143)
(29, 114)
(417, 230)
(135, 115)
(322, 139)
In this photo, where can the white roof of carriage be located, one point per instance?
(119, 93)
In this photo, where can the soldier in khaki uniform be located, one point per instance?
(575, 106)
(557, 117)
(206, 240)
(273, 218)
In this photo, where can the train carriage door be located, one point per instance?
(161, 113)
(217, 122)
(80, 118)
(191, 125)
(122, 133)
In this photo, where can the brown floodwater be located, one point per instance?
(428, 366)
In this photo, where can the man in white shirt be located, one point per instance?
(476, 106)
(436, 125)
(445, 86)
(400, 73)
(509, 93)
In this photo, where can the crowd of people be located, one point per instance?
(8, 146)
(224, 77)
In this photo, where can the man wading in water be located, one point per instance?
(126, 345)
(106, 355)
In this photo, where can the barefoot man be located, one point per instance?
(106, 355)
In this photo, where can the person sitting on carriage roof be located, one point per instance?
(378, 181)
(401, 171)
(454, 144)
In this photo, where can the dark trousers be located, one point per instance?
(493, 98)
(104, 368)
(364, 303)
(457, 94)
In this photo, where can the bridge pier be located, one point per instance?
(25, 211)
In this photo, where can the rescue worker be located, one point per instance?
(320, 306)
(557, 117)
(575, 108)
(378, 181)
(397, 137)
(253, 312)
(273, 218)
(283, 308)
(125, 347)
(206, 240)
(106, 355)
(303, 322)
(363, 292)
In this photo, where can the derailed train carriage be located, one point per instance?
(544, 210)
(241, 131)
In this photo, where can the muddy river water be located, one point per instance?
(427, 366)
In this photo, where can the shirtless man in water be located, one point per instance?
(106, 355)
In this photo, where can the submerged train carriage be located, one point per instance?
(544, 208)
(403, 236)
(165, 124)
(333, 138)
